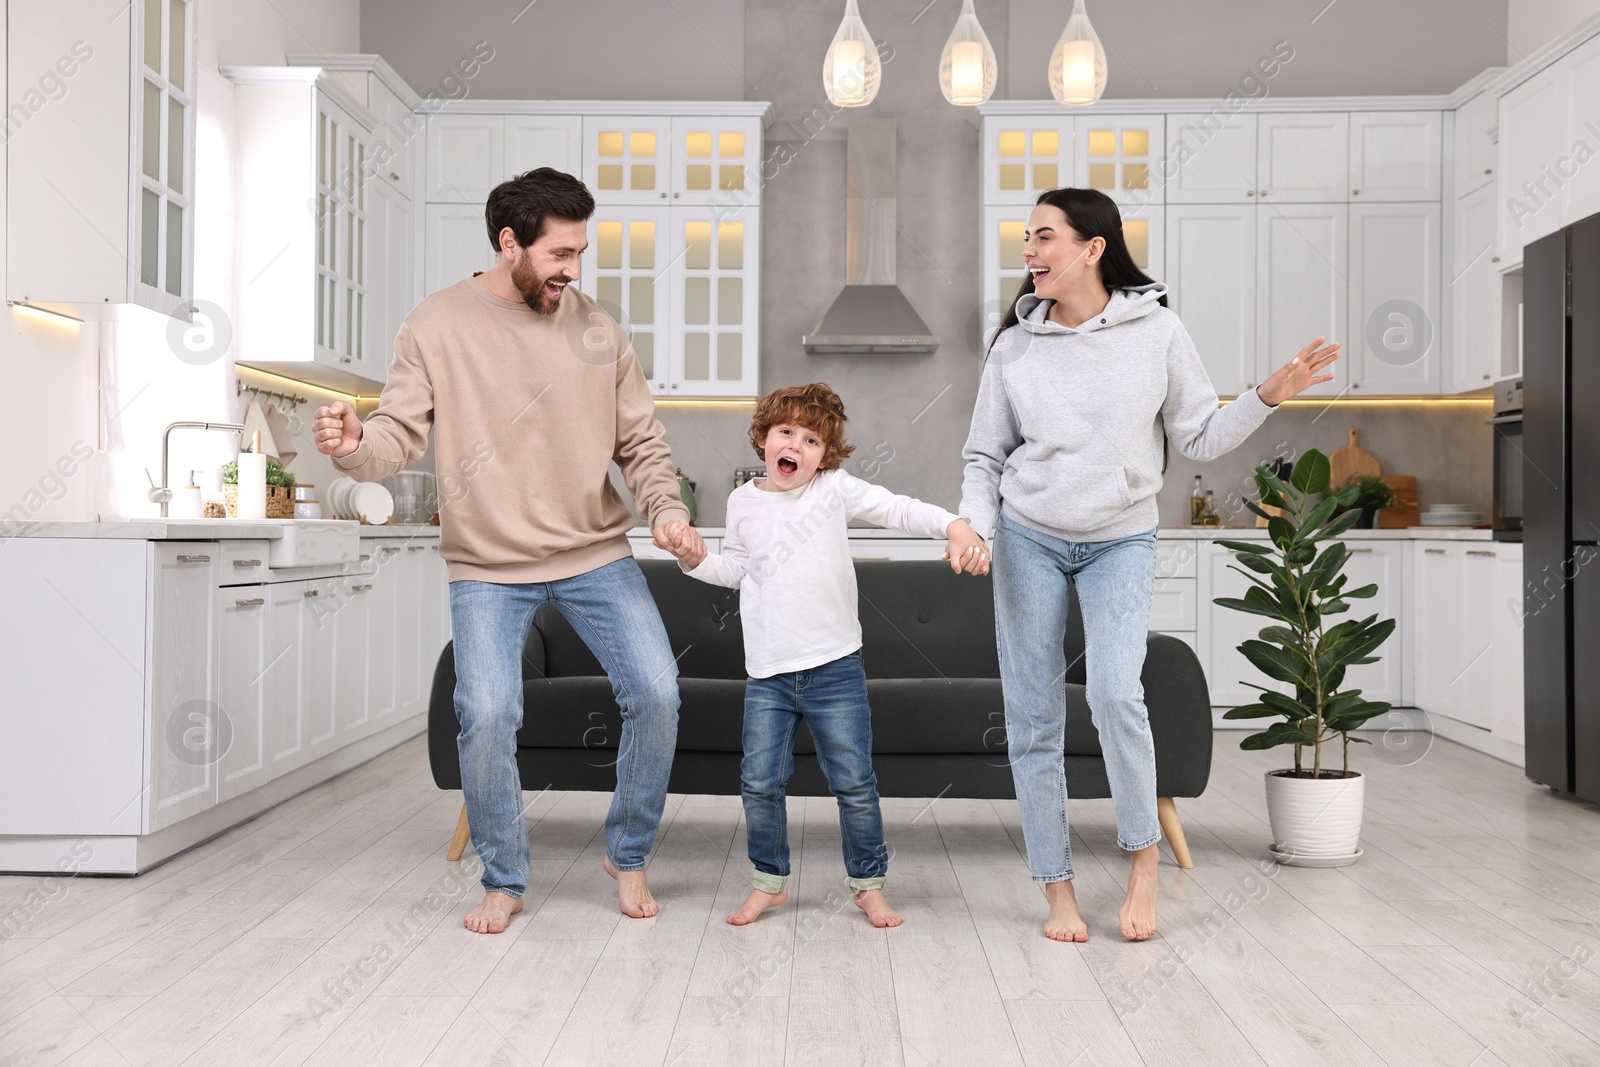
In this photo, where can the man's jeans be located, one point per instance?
(611, 609)
(1115, 581)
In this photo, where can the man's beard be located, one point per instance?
(531, 286)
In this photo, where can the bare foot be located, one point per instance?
(1064, 923)
(493, 915)
(754, 904)
(877, 908)
(1138, 912)
(633, 893)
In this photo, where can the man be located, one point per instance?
(531, 392)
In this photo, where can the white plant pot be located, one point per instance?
(1315, 821)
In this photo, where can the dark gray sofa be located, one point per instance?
(938, 719)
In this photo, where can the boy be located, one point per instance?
(787, 552)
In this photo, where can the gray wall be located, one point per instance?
(910, 413)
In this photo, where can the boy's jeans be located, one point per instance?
(1115, 580)
(832, 699)
(611, 609)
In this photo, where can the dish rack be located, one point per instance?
(416, 496)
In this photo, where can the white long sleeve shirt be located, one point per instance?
(789, 556)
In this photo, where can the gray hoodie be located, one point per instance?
(1067, 434)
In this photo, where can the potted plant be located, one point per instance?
(280, 490)
(1373, 494)
(1297, 581)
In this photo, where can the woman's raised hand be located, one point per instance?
(1300, 373)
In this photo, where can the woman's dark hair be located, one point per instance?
(1090, 213)
(524, 202)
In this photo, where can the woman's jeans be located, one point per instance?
(832, 699)
(611, 609)
(1115, 580)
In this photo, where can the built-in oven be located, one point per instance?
(1507, 425)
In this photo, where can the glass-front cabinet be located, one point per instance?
(84, 227)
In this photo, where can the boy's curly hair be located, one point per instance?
(816, 407)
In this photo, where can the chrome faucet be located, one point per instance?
(162, 494)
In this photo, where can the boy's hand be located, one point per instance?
(966, 550)
(683, 541)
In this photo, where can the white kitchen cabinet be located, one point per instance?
(1211, 279)
(465, 158)
(1303, 157)
(1393, 343)
(183, 729)
(1396, 155)
(353, 656)
(1468, 635)
(1506, 608)
(455, 245)
(1212, 159)
(1475, 134)
(1580, 76)
(390, 273)
(1172, 604)
(395, 139)
(1301, 291)
(241, 660)
(1004, 228)
(715, 259)
(715, 160)
(1532, 126)
(625, 269)
(383, 691)
(1144, 230)
(100, 173)
(1222, 630)
(1474, 294)
(1120, 155)
(1439, 631)
(1024, 156)
(534, 141)
(629, 159)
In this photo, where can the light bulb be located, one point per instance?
(967, 68)
(851, 70)
(1078, 64)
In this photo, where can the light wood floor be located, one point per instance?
(328, 931)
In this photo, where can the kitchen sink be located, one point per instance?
(303, 543)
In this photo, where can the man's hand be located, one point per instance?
(682, 540)
(336, 430)
(966, 550)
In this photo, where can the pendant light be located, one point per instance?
(851, 70)
(1078, 64)
(967, 68)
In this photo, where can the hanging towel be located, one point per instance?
(255, 421)
(281, 437)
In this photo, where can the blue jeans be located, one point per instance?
(611, 609)
(832, 699)
(1115, 580)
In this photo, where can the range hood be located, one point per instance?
(871, 314)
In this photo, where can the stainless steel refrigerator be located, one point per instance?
(1561, 508)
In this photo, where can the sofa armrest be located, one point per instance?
(1179, 704)
(443, 727)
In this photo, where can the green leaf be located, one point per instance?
(1279, 733)
(1283, 636)
(1321, 513)
(1276, 662)
(1301, 554)
(1362, 593)
(1338, 524)
(1281, 530)
(1255, 548)
(1311, 473)
(1253, 506)
(1285, 704)
(1259, 564)
(1271, 611)
(1249, 711)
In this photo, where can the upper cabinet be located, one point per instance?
(1475, 133)
(1026, 156)
(1395, 155)
(673, 159)
(468, 155)
(1303, 157)
(101, 173)
(1119, 155)
(1532, 124)
(1212, 159)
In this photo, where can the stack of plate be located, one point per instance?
(367, 501)
(1451, 515)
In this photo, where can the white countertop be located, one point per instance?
(158, 529)
(1196, 533)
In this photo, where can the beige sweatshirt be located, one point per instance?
(528, 411)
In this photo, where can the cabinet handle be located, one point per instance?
(312, 594)
(1355, 192)
(194, 559)
(416, 548)
(365, 558)
(663, 196)
(1480, 552)
(1263, 192)
(247, 563)
(1249, 192)
(361, 588)
(676, 195)
(393, 176)
(344, 359)
(1355, 385)
(252, 602)
(1494, 259)
(1488, 170)
(1353, 551)
(1433, 551)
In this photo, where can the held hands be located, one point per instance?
(683, 541)
(336, 430)
(1299, 374)
(966, 550)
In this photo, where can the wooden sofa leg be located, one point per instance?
(1166, 810)
(458, 843)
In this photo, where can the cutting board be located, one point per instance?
(1404, 513)
(1351, 460)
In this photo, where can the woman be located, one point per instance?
(1087, 380)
